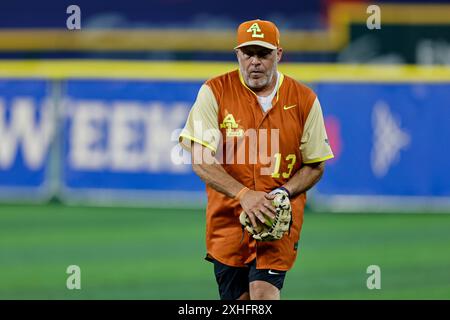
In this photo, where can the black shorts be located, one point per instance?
(234, 281)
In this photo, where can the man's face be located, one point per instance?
(258, 65)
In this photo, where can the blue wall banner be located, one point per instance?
(390, 142)
(26, 132)
(120, 141)
(117, 142)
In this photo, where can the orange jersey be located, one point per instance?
(262, 150)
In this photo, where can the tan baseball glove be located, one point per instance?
(272, 229)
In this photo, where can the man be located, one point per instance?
(235, 114)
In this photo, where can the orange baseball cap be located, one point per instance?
(258, 32)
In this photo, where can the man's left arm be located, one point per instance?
(315, 149)
(305, 178)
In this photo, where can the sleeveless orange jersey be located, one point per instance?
(295, 121)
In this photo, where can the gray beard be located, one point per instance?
(261, 88)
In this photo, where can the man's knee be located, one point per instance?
(262, 290)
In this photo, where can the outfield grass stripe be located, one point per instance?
(143, 253)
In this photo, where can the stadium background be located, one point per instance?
(87, 125)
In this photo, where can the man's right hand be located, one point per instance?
(258, 204)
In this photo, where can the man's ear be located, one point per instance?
(279, 54)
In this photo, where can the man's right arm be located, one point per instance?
(254, 203)
(202, 119)
(214, 175)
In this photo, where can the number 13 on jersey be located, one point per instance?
(291, 158)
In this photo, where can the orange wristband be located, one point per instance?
(241, 193)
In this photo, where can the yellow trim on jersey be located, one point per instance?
(319, 159)
(279, 85)
(196, 140)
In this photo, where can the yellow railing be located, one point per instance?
(60, 69)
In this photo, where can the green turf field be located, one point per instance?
(158, 254)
